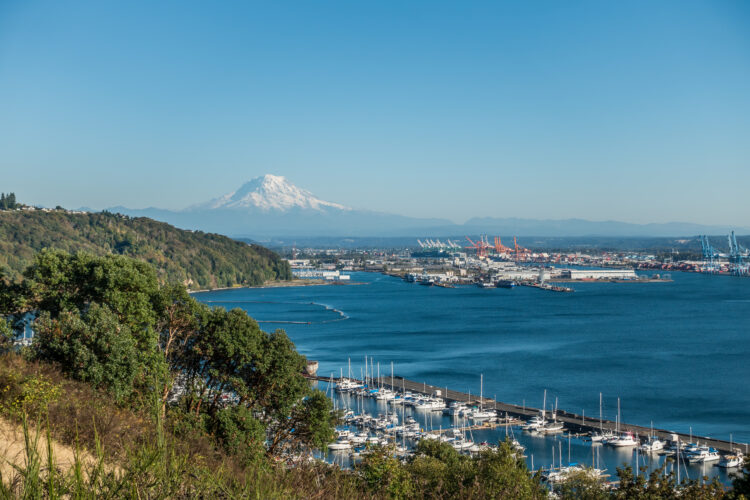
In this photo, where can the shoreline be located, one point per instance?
(279, 284)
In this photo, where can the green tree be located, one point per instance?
(384, 473)
(581, 485)
(94, 347)
(741, 482)
(231, 355)
(240, 433)
(58, 281)
(440, 470)
(178, 320)
(110, 297)
(657, 485)
(311, 423)
(218, 359)
(501, 473)
(6, 333)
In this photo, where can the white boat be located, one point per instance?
(563, 473)
(626, 439)
(340, 444)
(602, 437)
(653, 445)
(383, 394)
(359, 439)
(430, 404)
(703, 455)
(345, 434)
(461, 444)
(732, 461)
(534, 423)
(347, 385)
(481, 415)
(553, 427)
(374, 440)
(455, 409)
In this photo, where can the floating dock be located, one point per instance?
(573, 423)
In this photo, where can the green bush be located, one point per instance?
(240, 433)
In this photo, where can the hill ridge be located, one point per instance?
(197, 259)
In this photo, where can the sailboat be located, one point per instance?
(601, 436)
(625, 439)
(731, 461)
(553, 426)
(482, 414)
(535, 423)
(654, 444)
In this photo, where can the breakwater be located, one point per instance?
(573, 422)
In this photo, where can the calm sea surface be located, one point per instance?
(676, 354)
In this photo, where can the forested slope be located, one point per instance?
(197, 259)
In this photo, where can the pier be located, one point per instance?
(573, 423)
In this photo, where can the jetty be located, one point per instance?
(574, 423)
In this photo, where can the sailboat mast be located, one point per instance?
(481, 390)
(618, 415)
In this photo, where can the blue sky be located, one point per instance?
(635, 111)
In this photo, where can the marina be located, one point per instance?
(387, 414)
(578, 424)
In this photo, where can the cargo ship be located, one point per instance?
(506, 284)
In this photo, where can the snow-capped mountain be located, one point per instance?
(270, 206)
(269, 193)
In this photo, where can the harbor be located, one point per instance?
(574, 423)
(397, 414)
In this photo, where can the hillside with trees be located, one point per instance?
(196, 259)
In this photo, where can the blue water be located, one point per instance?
(676, 354)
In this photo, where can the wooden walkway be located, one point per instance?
(573, 422)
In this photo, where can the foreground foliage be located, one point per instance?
(106, 320)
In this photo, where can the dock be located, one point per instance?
(484, 426)
(574, 423)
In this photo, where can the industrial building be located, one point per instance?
(598, 274)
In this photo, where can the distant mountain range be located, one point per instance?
(271, 207)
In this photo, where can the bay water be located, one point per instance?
(677, 354)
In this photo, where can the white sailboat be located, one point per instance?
(481, 414)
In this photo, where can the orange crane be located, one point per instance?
(481, 247)
(499, 247)
(520, 251)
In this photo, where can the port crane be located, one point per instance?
(710, 255)
(520, 251)
(736, 255)
(481, 246)
(500, 248)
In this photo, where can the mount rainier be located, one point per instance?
(271, 207)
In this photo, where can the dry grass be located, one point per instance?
(126, 453)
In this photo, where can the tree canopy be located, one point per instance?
(195, 259)
(106, 320)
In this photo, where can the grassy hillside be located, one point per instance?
(197, 259)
